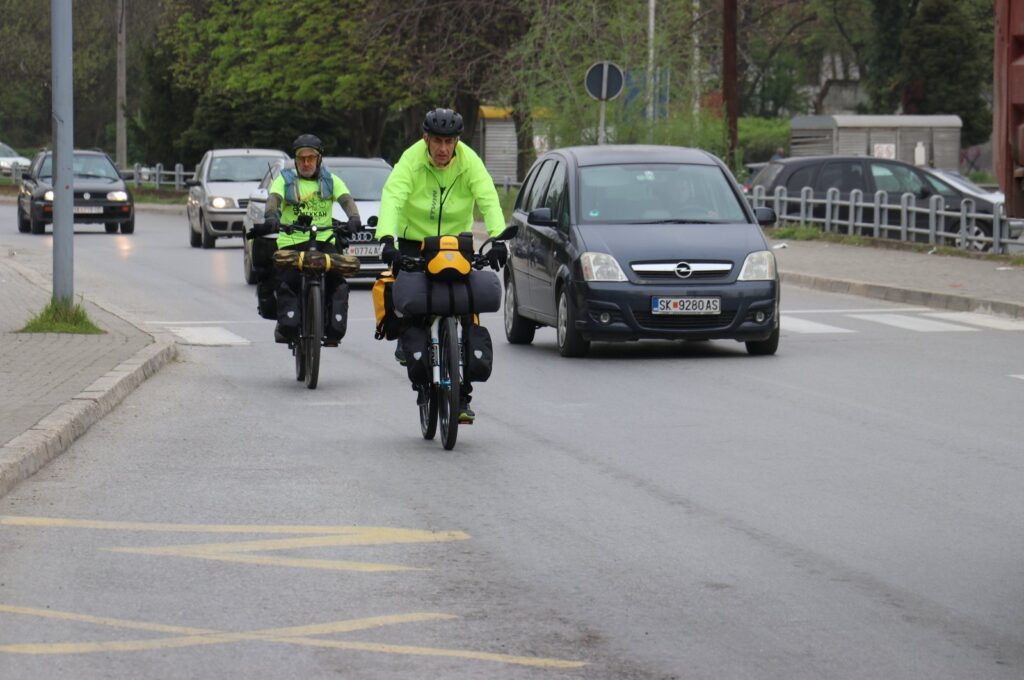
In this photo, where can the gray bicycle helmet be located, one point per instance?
(307, 141)
(443, 123)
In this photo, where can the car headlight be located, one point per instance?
(6, 165)
(48, 196)
(117, 196)
(601, 267)
(759, 266)
(220, 202)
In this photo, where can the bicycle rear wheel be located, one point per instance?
(451, 382)
(312, 333)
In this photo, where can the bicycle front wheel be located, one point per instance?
(313, 332)
(451, 381)
(428, 411)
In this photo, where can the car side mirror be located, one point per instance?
(191, 182)
(541, 217)
(258, 196)
(27, 175)
(765, 217)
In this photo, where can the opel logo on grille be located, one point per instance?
(683, 270)
(86, 196)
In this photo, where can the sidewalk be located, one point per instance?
(56, 386)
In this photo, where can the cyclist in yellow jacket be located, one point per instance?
(308, 189)
(431, 192)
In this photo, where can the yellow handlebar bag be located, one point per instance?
(448, 258)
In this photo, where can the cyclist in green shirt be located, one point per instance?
(431, 192)
(307, 189)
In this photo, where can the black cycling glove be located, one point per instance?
(497, 256)
(271, 223)
(353, 226)
(388, 251)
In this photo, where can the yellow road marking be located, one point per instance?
(295, 635)
(241, 551)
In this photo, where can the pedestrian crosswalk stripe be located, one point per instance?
(912, 323)
(792, 324)
(984, 320)
(207, 335)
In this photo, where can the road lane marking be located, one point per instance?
(294, 635)
(1021, 377)
(213, 336)
(872, 310)
(912, 323)
(998, 323)
(246, 552)
(794, 324)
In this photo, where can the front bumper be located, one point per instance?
(107, 212)
(622, 311)
(227, 222)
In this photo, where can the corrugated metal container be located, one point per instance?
(882, 136)
(497, 143)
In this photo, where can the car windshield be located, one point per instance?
(6, 150)
(239, 168)
(89, 165)
(657, 193)
(364, 183)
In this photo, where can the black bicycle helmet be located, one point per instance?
(443, 123)
(307, 141)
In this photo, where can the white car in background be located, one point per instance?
(218, 195)
(9, 158)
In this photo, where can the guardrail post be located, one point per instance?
(831, 198)
(806, 197)
(907, 201)
(856, 210)
(998, 216)
(136, 172)
(881, 212)
(15, 173)
(781, 203)
(159, 171)
(178, 180)
(966, 206)
(936, 204)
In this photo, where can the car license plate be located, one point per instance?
(368, 250)
(88, 209)
(686, 305)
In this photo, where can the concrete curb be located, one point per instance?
(21, 457)
(924, 298)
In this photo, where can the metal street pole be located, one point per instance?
(122, 98)
(650, 68)
(63, 151)
(729, 87)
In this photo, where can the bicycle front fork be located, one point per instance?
(435, 348)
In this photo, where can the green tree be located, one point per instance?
(943, 68)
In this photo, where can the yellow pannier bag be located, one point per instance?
(388, 324)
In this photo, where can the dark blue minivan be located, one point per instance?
(623, 242)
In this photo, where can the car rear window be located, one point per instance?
(766, 175)
(657, 192)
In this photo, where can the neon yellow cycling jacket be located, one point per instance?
(421, 200)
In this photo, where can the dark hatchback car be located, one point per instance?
(101, 195)
(869, 175)
(634, 242)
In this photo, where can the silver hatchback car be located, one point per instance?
(218, 195)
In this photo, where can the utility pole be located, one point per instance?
(122, 133)
(63, 152)
(695, 63)
(729, 88)
(650, 68)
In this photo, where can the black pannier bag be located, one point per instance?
(416, 346)
(414, 293)
(337, 323)
(479, 352)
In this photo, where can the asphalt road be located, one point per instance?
(850, 508)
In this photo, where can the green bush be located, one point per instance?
(758, 138)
